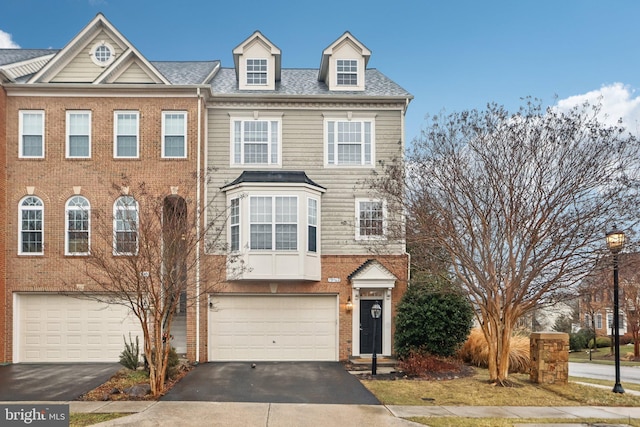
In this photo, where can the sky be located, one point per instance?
(451, 55)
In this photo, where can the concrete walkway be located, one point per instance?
(230, 414)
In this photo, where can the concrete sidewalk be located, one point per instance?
(229, 414)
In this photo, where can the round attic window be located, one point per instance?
(102, 54)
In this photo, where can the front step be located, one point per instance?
(381, 361)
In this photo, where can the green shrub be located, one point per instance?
(130, 356)
(579, 340)
(173, 360)
(432, 318)
(601, 342)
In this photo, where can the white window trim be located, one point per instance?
(254, 117)
(184, 133)
(384, 219)
(20, 252)
(137, 209)
(266, 72)
(231, 225)
(21, 128)
(316, 225)
(92, 53)
(68, 134)
(349, 118)
(66, 228)
(115, 133)
(273, 197)
(357, 73)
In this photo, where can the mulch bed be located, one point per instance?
(114, 388)
(438, 370)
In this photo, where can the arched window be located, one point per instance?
(78, 214)
(125, 226)
(31, 226)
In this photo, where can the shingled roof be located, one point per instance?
(305, 82)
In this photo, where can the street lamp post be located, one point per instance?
(376, 310)
(615, 242)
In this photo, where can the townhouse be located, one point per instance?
(285, 151)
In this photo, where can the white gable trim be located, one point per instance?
(270, 52)
(373, 275)
(66, 55)
(24, 68)
(122, 64)
(327, 62)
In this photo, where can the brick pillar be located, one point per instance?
(549, 353)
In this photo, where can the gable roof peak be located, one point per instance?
(81, 40)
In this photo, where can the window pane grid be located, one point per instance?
(126, 226)
(235, 224)
(78, 226)
(347, 72)
(255, 142)
(349, 143)
(256, 71)
(31, 225)
(371, 219)
(174, 134)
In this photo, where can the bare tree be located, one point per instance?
(518, 203)
(147, 254)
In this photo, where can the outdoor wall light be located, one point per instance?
(349, 305)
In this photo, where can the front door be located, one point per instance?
(367, 327)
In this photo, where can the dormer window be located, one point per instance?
(256, 71)
(347, 72)
(344, 63)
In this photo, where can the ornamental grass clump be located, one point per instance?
(475, 351)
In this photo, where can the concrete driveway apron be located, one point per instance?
(52, 382)
(272, 382)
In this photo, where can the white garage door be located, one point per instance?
(56, 328)
(273, 328)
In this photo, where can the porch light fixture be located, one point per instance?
(376, 311)
(349, 305)
(615, 243)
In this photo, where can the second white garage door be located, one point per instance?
(56, 328)
(273, 328)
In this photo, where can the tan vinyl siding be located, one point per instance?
(303, 149)
(82, 69)
(134, 74)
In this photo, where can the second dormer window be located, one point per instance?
(256, 71)
(347, 72)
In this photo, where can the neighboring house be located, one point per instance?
(288, 152)
(77, 121)
(596, 296)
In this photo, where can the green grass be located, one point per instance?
(476, 391)
(603, 356)
(88, 419)
(508, 422)
(625, 385)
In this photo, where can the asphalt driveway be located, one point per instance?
(52, 382)
(272, 382)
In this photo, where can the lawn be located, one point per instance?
(604, 356)
(476, 391)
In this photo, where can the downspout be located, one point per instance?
(198, 216)
(404, 142)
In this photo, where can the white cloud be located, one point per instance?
(617, 101)
(6, 42)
